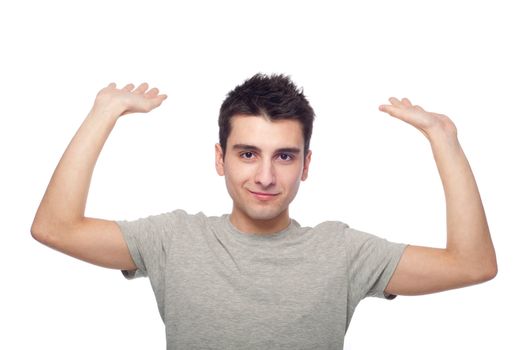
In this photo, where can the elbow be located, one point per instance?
(42, 231)
(38, 231)
(38, 227)
(491, 270)
(45, 226)
(486, 273)
(478, 268)
(491, 273)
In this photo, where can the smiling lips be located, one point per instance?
(264, 196)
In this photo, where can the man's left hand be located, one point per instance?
(426, 122)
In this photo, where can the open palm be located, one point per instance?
(127, 100)
(426, 122)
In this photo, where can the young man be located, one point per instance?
(256, 279)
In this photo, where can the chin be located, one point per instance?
(263, 214)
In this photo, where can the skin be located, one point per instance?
(263, 166)
(60, 222)
(262, 181)
(469, 256)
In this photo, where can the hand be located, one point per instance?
(127, 100)
(426, 122)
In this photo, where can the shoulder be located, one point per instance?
(180, 218)
(352, 237)
(341, 229)
(167, 221)
(331, 227)
(184, 223)
(334, 231)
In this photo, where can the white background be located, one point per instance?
(463, 59)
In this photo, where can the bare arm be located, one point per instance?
(469, 256)
(60, 222)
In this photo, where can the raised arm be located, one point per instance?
(60, 222)
(469, 256)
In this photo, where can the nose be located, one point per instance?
(265, 174)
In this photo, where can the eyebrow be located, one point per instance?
(245, 147)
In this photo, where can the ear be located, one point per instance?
(219, 160)
(307, 161)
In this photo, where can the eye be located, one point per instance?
(247, 155)
(285, 156)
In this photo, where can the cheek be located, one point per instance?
(291, 178)
(236, 174)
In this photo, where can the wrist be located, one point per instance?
(443, 131)
(443, 141)
(108, 113)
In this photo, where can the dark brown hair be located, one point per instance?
(274, 97)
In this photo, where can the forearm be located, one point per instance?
(64, 201)
(468, 235)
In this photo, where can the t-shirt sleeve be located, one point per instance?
(372, 262)
(148, 241)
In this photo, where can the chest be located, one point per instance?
(286, 294)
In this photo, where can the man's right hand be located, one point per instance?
(123, 101)
(60, 221)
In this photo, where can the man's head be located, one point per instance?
(265, 127)
(274, 97)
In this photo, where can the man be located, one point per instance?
(256, 279)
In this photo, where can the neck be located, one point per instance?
(246, 224)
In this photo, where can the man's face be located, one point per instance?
(263, 166)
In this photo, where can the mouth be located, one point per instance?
(264, 196)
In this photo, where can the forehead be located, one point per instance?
(265, 133)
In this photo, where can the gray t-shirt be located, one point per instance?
(219, 288)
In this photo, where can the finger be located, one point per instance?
(156, 101)
(146, 105)
(141, 88)
(395, 102)
(384, 108)
(128, 87)
(152, 92)
(111, 85)
(391, 110)
(406, 102)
